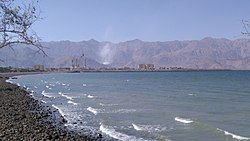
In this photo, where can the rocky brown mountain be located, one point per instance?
(208, 53)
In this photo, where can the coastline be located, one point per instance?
(25, 118)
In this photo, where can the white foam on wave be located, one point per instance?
(124, 111)
(9, 81)
(71, 102)
(59, 110)
(63, 95)
(233, 135)
(52, 85)
(117, 135)
(102, 104)
(18, 84)
(84, 85)
(93, 110)
(63, 84)
(136, 127)
(191, 94)
(43, 101)
(46, 94)
(183, 120)
(90, 96)
(48, 87)
(149, 128)
(35, 87)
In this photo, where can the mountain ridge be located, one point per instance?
(207, 53)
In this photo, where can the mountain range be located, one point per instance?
(208, 53)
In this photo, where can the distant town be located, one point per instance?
(74, 69)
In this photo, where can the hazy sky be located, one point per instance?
(149, 20)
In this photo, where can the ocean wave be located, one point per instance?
(35, 87)
(59, 110)
(48, 87)
(63, 84)
(124, 111)
(191, 94)
(149, 128)
(63, 95)
(46, 94)
(57, 82)
(90, 96)
(71, 102)
(9, 81)
(52, 85)
(84, 85)
(43, 101)
(93, 110)
(18, 84)
(183, 120)
(102, 104)
(117, 135)
(233, 135)
(136, 127)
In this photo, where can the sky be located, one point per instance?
(147, 20)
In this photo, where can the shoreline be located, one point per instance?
(25, 118)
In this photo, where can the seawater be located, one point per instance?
(177, 106)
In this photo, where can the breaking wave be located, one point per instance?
(59, 110)
(233, 135)
(63, 95)
(183, 120)
(8, 81)
(71, 102)
(149, 128)
(136, 127)
(117, 135)
(93, 110)
(43, 101)
(102, 104)
(46, 94)
(90, 96)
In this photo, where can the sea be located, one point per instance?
(140, 106)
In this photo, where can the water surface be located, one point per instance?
(177, 106)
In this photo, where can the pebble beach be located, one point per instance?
(24, 118)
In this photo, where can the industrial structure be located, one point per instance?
(79, 63)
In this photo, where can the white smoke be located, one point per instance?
(107, 54)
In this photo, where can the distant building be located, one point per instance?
(150, 67)
(146, 67)
(39, 67)
(142, 66)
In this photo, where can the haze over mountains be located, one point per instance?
(208, 53)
